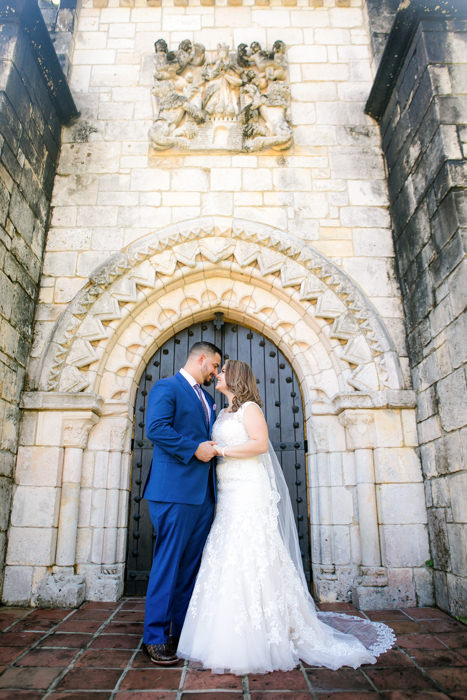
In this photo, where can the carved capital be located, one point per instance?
(118, 438)
(360, 429)
(76, 430)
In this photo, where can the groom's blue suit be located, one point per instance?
(180, 490)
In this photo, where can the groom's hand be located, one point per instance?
(206, 451)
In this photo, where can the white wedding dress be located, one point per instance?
(250, 611)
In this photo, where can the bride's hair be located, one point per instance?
(241, 381)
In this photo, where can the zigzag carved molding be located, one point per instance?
(119, 285)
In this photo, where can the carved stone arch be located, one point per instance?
(160, 282)
(250, 302)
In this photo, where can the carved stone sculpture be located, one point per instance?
(238, 101)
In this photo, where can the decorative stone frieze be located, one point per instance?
(329, 306)
(231, 101)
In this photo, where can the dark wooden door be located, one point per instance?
(283, 408)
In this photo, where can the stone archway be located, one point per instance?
(356, 409)
(161, 262)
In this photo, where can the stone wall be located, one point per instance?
(381, 14)
(329, 189)
(423, 122)
(60, 21)
(30, 122)
(296, 243)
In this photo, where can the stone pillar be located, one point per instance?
(102, 531)
(75, 435)
(360, 435)
(368, 517)
(360, 439)
(388, 491)
(41, 556)
(332, 517)
(63, 587)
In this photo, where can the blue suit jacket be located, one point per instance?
(176, 425)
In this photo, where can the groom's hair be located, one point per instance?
(203, 346)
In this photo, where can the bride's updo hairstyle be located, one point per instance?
(241, 381)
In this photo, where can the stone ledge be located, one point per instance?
(61, 401)
(404, 398)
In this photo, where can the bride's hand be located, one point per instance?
(218, 450)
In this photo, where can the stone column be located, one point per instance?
(103, 524)
(331, 503)
(360, 436)
(391, 517)
(63, 587)
(75, 436)
(41, 556)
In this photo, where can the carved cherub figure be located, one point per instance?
(272, 64)
(184, 54)
(243, 59)
(257, 55)
(162, 69)
(276, 69)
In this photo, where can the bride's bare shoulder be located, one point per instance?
(251, 405)
(251, 409)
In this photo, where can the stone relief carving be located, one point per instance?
(238, 101)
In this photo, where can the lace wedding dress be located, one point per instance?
(250, 611)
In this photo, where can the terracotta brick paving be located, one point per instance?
(94, 653)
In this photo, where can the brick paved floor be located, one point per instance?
(94, 653)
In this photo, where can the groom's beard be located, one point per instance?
(208, 381)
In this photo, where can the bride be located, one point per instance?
(251, 611)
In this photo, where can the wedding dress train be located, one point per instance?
(250, 611)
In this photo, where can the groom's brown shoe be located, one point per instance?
(160, 654)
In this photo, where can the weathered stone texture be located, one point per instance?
(29, 147)
(424, 143)
(60, 21)
(381, 15)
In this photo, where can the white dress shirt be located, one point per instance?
(192, 381)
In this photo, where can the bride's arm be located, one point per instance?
(257, 429)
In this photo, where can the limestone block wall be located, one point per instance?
(328, 189)
(424, 135)
(30, 123)
(297, 243)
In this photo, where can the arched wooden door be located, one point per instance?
(283, 407)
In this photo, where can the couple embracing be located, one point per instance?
(227, 586)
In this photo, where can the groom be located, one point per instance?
(180, 490)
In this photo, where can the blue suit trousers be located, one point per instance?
(181, 531)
